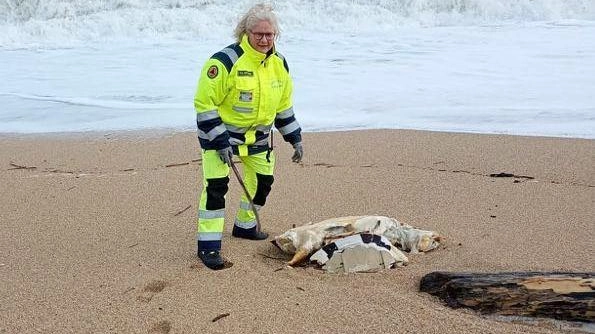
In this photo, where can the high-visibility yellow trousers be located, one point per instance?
(258, 179)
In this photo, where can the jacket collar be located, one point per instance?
(252, 53)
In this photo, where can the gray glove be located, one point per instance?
(298, 153)
(226, 154)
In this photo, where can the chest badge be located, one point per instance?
(245, 96)
(242, 73)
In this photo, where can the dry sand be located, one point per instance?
(95, 238)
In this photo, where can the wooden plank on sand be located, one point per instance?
(558, 295)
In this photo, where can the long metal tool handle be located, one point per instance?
(235, 171)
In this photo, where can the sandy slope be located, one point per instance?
(95, 237)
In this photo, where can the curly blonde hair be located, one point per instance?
(258, 12)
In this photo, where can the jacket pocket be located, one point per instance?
(245, 90)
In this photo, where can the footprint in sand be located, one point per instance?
(322, 164)
(151, 289)
(161, 327)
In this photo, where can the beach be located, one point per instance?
(98, 230)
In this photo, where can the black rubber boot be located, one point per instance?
(250, 234)
(212, 259)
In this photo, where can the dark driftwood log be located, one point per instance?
(562, 296)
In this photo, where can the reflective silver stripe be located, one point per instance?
(236, 129)
(289, 128)
(244, 110)
(233, 56)
(245, 225)
(262, 142)
(207, 115)
(246, 206)
(285, 113)
(219, 129)
(211, 214)
(264, 128)
(209, 236)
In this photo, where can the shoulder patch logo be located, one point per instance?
(213, 71)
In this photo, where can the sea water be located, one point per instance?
(522, 67)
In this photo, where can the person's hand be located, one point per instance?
(298, 152)
(226, 154)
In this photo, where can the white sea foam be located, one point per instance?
(492, 66)
(27, 23)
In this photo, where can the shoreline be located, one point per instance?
(168, 131)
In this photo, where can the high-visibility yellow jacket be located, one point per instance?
(241, 94)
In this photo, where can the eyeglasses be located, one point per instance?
(261, 35)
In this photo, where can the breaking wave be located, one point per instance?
(58, 22)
